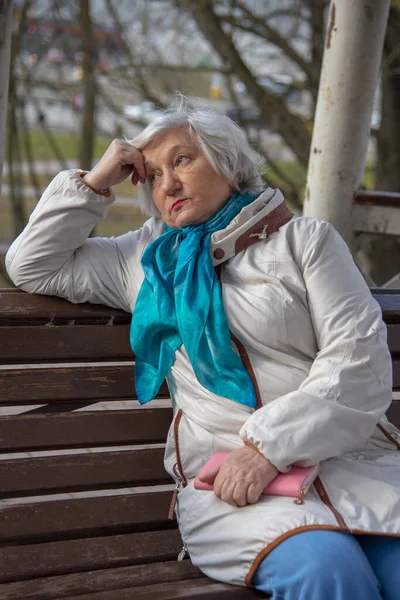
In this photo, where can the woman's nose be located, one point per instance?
(171, 183)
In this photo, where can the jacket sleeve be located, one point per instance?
(54, 256)
(349, 386)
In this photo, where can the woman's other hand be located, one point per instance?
(241, 478)
(119, 161)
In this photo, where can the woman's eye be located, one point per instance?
(152, 176)
(181, 159)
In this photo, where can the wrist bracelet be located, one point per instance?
(104, 192)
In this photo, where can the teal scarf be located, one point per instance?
(180, 302)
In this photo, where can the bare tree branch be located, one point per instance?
(140, 80)
(258, 26)
(274, 111)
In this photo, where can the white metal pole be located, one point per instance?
(352, 56)
(5, 53)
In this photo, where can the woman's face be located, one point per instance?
(185, 188)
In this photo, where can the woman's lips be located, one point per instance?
(177, 203)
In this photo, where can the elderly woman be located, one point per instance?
(273, 349)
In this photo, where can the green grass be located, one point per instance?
(67, 142)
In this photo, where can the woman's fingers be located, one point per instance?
(243, 476)
(240, 493)
(132, 156)
(227, 490)
(135, 177)
(231, 491)
(253, 493)
(119, 161)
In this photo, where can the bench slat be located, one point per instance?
(70, 556)
(60, 384)
(396, 373)
(393, 413)
(84, 429)
(87, 342)
(84, 517)
(23, 308)
(394, 338)
(389, 303)
(62, 343)
(199, 589)
(76, 472)
(55, 588)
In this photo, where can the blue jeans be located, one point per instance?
(331, 565)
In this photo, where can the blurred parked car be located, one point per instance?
(250, 114)
(280, 85)
(144, 111)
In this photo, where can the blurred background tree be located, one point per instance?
(84, 72)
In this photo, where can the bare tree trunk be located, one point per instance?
(352, 57)
(28, 153)
(89, 86)
(14, 153)
(388, 159)
(5, 53)
(14, 159)
(384, 251)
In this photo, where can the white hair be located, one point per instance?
(223, 143)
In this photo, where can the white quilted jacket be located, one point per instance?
(317, 345)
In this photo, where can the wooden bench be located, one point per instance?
(84, 497)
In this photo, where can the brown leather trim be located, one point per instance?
(389, 437)
(261, 555)
(171, 510)
(218, 272)
(248, 366)
(263, 228)
(105, 192)
(323, 494)
(253, 447)
(178, 454)
(380, 533)
(241, 349)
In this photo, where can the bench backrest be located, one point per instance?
(82, 483)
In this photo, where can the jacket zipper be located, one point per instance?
(323, 494)
(177, 468)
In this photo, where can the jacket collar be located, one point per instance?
(251, 225)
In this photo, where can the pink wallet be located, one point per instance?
(295, 483)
